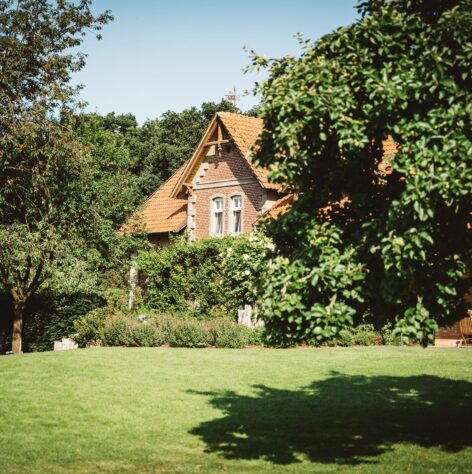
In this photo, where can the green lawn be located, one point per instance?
(379, 409)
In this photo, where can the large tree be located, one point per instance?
(362, 241)
(43, 169)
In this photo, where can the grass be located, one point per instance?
(378, 409)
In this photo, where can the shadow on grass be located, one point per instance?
(342, 419)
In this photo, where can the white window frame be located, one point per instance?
(232, 210)
(213, 212)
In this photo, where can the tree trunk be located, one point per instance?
(17, 327)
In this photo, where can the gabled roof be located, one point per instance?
(160, 212)
(279, 207)
(244, 131)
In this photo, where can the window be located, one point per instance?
(217, 216)
(236, 214)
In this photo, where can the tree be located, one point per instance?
(360, 241)
(43, 169)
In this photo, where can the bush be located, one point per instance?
(89, 328)
(344, 338)
(175, 330)
(208, 278)
(145, 334)
(257, 336)
(226, 333)
(50, 317)
(366, 335)
(188, 332)
(125, 331)
(117, 332)
(389, 337)
(360, 335)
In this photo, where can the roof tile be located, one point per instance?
(245, 131)
(160, 213)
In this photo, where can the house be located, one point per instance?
(217, 192)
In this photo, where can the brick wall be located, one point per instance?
(251, 194)
(449, 332)
(230, 165)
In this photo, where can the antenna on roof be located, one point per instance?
(232, 97)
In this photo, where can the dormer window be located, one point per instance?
(236, 214)
(217, 216)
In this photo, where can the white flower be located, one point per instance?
(247, 272)
(246, 257)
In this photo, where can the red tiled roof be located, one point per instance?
(244, 130)
(164, 213)
(160, 213)
(279, 207)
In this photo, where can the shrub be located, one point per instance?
(389, 336)
(188, 332)
(208, 278)
(365, 335)
(125, 331)
(145, 334)
(360, 335)
(89, 328)
(344, 338)
(228, 334)
(257, 336)
(117, 331)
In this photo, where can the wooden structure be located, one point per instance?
(466, 331)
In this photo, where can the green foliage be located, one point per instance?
(226, 334)
(182, 277)
(416, 324)
(316, 288)
(117, 329)
(187, 332)
(389, 336)
(39, 41)
(44, 215)
(257, 336)
(361, 335)
(88, 329)
(206, 278)
(51, 316)
(401, 71)
(125, 331)
(243, 268)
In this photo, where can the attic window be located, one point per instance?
(217, 216)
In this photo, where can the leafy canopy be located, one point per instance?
(389, 245)
(43, 169)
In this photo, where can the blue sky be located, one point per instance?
(169, 55)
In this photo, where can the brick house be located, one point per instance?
(217, 192)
